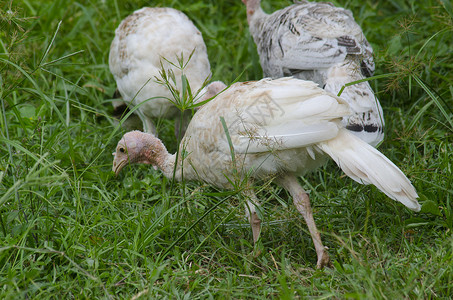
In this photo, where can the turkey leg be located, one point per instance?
(302, 203)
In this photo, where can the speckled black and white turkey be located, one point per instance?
(144, 40)
(320, 42)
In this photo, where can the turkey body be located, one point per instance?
(269, 129)
(320, 42)
(147, 41)
(278, 127)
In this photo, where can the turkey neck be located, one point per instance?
(158, 156)
(255, 14)
(166, 164)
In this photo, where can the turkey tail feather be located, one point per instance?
(366, 165)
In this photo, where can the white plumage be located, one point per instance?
(141, 43)
(320, 42)
(278, 129)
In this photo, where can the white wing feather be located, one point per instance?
(304, 115)
(274, 140)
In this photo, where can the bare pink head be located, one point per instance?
(139, 148)
(252, 6)
(213, 89)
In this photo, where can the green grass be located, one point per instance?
(70, 229)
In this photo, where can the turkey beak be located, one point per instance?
(118, 164)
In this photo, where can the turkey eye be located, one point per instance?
(122, 150)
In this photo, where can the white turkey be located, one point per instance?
(320, 42)
(144, 42)
(279, 129)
